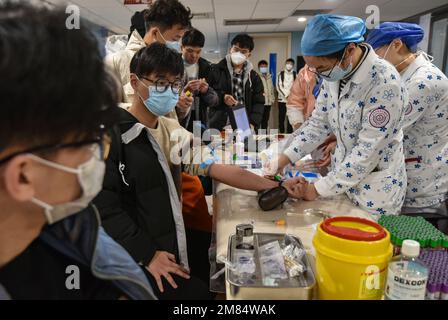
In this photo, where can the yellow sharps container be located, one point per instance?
(352, 255)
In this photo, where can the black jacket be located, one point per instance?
(206, 100)
(221, 80)
(134, 204)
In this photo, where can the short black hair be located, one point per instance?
(262, 62)
(290, 60)
(244, 41)
(167, 13)
(138, 23)
(194, 38)
(157, 58)
(53, 83)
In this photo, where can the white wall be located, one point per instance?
(265, 44)
(271, 43)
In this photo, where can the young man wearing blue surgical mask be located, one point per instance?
(363, 102)
(269, 94)
(140, 202)
(425, 126)
(165, 22)
(52, 163)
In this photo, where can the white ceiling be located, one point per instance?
(113, 15)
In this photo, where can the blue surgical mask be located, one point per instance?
(174, 45)
(338, 73)
(264, 70)
(160, 103)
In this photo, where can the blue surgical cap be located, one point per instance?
(328, 33)
(410, 33)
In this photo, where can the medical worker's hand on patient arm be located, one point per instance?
(302, 190)
(242, 179)
(162, 264)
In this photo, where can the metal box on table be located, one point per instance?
(298, 288)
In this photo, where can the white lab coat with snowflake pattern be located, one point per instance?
(366, 117)
(426, 133)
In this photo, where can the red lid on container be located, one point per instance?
(346, 228)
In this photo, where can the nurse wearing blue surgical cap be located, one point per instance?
(362, 102)
(425, 126)
(396, 42)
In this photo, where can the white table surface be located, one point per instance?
(233, 206)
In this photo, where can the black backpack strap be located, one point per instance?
(282, 76)
(294, 74)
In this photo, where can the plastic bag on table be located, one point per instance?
(272, 264)
(244, 264)
(293, 255)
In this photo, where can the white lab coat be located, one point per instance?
(368, 163)
(426, 134)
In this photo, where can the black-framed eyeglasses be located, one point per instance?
(103, 143)
(325, 76)
(162, 85)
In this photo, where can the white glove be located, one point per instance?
(270, 167)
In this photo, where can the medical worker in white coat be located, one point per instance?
(363, 103)
(426, 118)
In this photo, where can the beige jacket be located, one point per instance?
(179, 147)
(269, 94)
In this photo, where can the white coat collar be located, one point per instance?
(361, 75)
(420, 61)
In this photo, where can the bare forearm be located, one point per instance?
(239, 178)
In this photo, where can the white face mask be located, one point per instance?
(90, 176)
(387, 51)
(399, 64)
(238, 58)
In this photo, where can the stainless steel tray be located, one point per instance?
(298, 288)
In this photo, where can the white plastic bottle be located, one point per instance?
(407, 276)
(238, 150)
